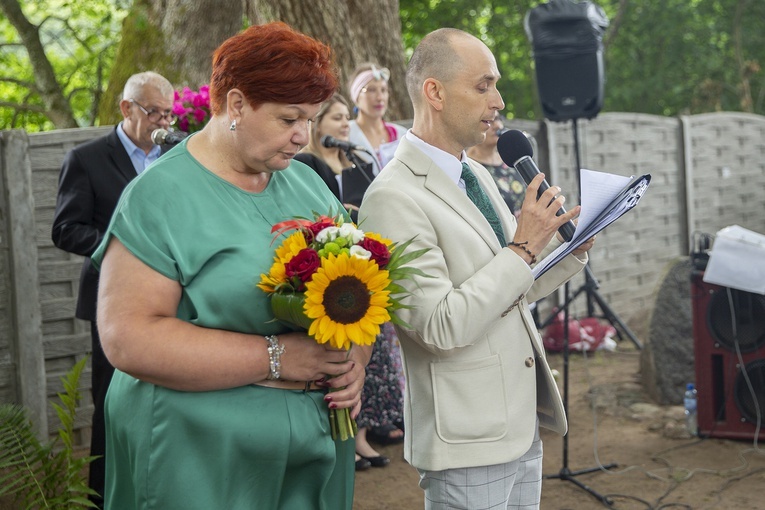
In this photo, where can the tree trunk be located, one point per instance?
(175, 38)
(745, 69)
(193, 30)
(58, 109)
(357, 30)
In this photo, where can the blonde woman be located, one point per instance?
(369, 91)
(345, 180)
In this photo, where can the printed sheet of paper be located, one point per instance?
(605, 198)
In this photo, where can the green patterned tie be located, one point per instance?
(476, 194)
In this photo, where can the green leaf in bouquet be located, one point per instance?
(288, 308)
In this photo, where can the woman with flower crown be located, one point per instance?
(381, 416)
(214, 404)
(369, 92)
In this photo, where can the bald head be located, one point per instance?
(435, 57)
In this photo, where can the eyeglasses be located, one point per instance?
(154, 115)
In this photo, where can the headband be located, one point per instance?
(365, 77)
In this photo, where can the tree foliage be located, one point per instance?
(664, 57)
(688, 56)
(78, 39)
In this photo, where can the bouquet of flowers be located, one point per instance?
(340, 284)
(192, 108)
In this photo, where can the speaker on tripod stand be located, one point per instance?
(567, 44)
(568, 58)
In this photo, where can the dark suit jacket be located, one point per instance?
(92, 179)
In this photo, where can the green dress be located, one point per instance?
(243, 448)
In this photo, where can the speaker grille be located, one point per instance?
(743, 395)
(750, 320)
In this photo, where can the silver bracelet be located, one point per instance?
(275, 351)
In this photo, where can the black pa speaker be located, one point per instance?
(567, 42)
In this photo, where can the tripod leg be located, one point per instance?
(557, 309)
(568, 476)
(614, 319)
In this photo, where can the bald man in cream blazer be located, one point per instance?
(477, 382)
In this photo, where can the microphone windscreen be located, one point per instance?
(158, 136)
(512, 146)
(327, 141)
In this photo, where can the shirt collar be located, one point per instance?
(139, 158)
(130, 147)
(451, 166)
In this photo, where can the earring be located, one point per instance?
(232, 127)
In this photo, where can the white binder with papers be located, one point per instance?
(605, 198)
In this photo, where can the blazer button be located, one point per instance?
(529, 362)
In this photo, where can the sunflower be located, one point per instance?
(378, 237)
(284, 253)
(347, 301)
(291, 247)
(276, 276)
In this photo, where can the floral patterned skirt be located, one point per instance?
(382, 398)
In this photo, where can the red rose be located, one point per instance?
(303, 265)
(379, 251)
(316, 227)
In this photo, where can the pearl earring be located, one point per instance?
(232, 127)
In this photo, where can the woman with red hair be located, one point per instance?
(214, 404)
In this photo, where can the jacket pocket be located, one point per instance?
(469, 400)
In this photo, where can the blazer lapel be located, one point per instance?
(445, 189)
(120, 157)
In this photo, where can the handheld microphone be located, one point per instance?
(515, 150)
(330, 141)
(165, 137)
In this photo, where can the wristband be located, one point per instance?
(522, 246)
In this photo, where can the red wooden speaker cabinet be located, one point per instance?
(731, 397)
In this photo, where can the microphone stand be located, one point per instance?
(357, 163)
(565, 473)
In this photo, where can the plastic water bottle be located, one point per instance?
(690, 402)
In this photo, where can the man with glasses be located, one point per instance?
(92, 178)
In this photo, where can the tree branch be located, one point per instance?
(616, 23)
(58, 110)
(23, 107)
(69, 27)
(28, 84)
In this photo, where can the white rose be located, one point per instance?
(360, 253)
(350, 232)
(327, 235)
